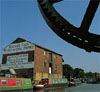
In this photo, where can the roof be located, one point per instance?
(18, 40)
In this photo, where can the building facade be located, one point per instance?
(30, 60)
(98, 77)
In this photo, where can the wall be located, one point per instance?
(19, 55)
(43, 72)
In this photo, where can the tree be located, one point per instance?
(90, 75)
(79, 73)
(67, 71)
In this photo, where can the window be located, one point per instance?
(45, 53)
(55, 56)
(45, 64)
(55, 66)
(18, 82)
(50, 57)
(4, 82)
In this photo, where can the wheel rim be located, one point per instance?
(68, 32)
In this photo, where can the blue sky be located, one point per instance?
(22, 18)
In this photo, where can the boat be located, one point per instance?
(51, 83)
(74, 82)
(9, 84)
(77, 81)
(38, 87)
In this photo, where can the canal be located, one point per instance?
(80, 88)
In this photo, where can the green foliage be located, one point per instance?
(90, 75)
(79, 73)
(67, 71)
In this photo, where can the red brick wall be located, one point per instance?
(58, 62)
(39, 60)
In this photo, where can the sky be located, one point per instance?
(22, 18)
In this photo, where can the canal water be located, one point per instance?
(80, 88)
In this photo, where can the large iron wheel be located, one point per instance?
(80, 37)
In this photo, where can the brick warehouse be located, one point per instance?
(30, 60)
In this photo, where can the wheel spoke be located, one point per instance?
(91, 10)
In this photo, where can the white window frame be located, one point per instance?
(18, 81)
(3, 80)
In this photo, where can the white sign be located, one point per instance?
(17, 62)
(49, 70)
(17, 59)
(19, 47)
(16, 66)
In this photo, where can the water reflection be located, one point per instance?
(80, 88)
(55, 90)
(52, 90)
